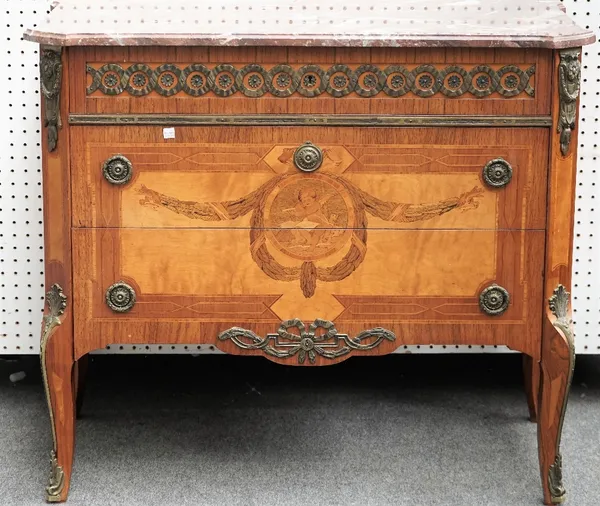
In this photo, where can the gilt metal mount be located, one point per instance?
(51, 79)
(117, 170)
(497, 173)
(339, 80)
(120, 297)
(320, 339)
(308, 157)
(558, 492)
(57, 303)
(494, 300)
(569, 84)
(559, 306)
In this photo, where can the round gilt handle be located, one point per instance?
(494, 300)
(497, 173)
(120, 297)
(308, 157)
(117, 170)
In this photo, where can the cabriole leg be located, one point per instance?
(531, 379)
(57, 373)
(79, 380)
(558, 361)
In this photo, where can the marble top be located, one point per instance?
(363, 23)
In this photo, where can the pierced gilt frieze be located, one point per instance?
(51, 79)
(57, 303)
(312, 227)
(339, 80)
(321, 339)
(569, 83)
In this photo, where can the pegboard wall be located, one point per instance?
(21, 227)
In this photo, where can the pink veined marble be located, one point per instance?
(393, 23)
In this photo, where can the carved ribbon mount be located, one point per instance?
(320, 339)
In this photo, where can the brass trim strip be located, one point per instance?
(310, 120)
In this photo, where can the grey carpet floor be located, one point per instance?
(211, 431)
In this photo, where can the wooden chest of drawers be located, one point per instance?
(308, 197)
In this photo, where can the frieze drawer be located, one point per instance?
(230, 177)
(372, 81)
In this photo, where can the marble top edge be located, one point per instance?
(351, 23)
(141, 39)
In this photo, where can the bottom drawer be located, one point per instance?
(421, 286)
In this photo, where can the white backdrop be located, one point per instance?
(21, 231)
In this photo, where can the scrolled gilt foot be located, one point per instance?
(56, 480)
(555, 481)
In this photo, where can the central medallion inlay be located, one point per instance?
(309, 219)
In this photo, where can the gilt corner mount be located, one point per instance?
(569, 84)
(51, 80)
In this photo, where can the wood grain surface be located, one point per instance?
(215, 177)
(397, 233)
(556, 357)
(193, 284)
(58, 269)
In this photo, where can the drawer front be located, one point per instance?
(191, 285)
(251, 177)
(374, 81)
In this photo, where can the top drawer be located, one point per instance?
(347, 178)
(258, 80)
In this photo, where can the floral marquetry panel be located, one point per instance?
(301, 80)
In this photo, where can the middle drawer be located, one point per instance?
(344, 178)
